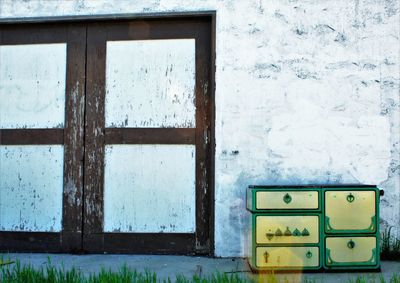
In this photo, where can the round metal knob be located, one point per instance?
(309, 254)
(351, 244)
(350, 198)
(287, 198)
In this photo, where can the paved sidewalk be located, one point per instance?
(170, 266)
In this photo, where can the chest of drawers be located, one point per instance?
(313, 227)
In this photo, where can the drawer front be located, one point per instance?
(287, 200)
(350, 211)
(342, 251)
(287, 257)
(287, 229)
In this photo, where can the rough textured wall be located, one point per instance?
(306, 92)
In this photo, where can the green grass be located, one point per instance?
(363, 279)
(50, 274)
(5, 262)
(390, 246)
(16, 273)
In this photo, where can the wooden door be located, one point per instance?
(106, 138)
(42, 79)
(148, 137)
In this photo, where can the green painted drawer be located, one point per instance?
(350, 211)
(283, 199)
(351, 251)
(287, 200)
(286, 229)
(287, 257)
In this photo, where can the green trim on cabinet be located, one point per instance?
(320, 234)
(254, 245)
(330, 261)
(330, 229)
(374, 220)
(350, 233)
(325, 229)
(251, 199)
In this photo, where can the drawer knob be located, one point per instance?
(350, 198)
(266, 256)
(309, 254)
(351, 244)
(287, 198)
(305, 232)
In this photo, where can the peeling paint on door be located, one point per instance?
(31, 187)
(149, 188)
(150, 83)
(32, 85)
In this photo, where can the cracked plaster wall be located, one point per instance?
(306, 92)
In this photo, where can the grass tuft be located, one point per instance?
(364, 279)
(390, 246)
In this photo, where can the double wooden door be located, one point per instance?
(106, 136)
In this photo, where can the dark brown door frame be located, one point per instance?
(71, 136)
(72, 238)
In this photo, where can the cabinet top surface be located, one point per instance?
(344, 186)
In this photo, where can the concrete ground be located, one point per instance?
(170, 266)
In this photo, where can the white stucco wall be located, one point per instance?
(306, 92)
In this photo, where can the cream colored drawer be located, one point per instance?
(351, 250)
(287, 257)
(287, 229)
(350, 211)
(287, 200)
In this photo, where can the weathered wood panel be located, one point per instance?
(74, 139)
(152, 192)
(32, 85)
(31, 187)
(150, 136)
(94, 132)
(150, 83)
(31, 136)
(160, 243)
(29, 241)
(204, 140)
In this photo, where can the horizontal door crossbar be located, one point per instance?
(150, 136)
(31, 136)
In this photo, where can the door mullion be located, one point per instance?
(73, 138)
(94, 139)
